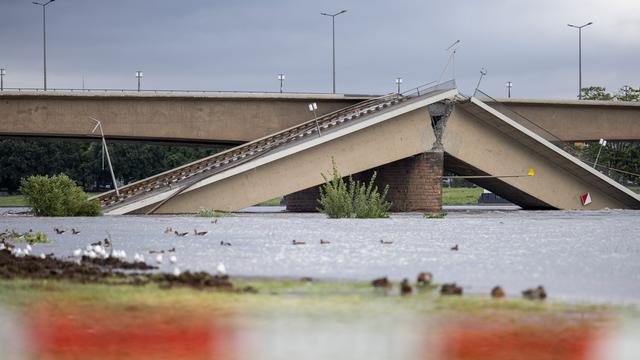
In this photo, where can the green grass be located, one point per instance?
(19, 200)
(460, 196)
(272, 202)
(12, 201)
(327, 298)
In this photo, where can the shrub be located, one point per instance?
(57, 196)
(203, 212)
(435, 215)
(360, 200)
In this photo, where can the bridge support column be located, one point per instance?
(415, 184)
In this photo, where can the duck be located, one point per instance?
(405, 287)
(180, 233)
(99, 243)
(381, 282)
(224, 243)
(74, 231)
(173, 249)
(450, 289)
(324, 242)
(535, 294)
(386, 242)
(214, 221)
(59, 231)
(168, 230)
(424, 278)
(497, 292)
(298, 242)
(200, 233)
(454, 247)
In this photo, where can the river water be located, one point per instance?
(578, 256)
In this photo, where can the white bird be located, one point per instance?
(28, 247)
(2, 247)
(77, 252)
(222, 270)
(176, 271)
(42, 256)
(159, 259)
(173, 259)
(17, 252)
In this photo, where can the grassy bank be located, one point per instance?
(460, 196)
(12, 201)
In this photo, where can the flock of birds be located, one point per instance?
(425, 278)
(104, 249)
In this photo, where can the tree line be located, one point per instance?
(82, 160)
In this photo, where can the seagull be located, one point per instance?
(173, 259)
(77, 252)
(159, 259)
(176, 271)
(222, 270)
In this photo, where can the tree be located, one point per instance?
(595, 93)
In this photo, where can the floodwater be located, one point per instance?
(577, 256)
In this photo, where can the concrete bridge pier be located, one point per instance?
(415, 184)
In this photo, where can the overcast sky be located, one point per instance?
(243, 45)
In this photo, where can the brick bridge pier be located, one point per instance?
(415, 184)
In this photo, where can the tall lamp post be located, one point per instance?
(333, 27)
(509, 86)
(398, 82)
(281, 78)
(44, 36)
(139, 75)
(580, 55)
(3, 72)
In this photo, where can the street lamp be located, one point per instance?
(580, 56)
(281, 78)
(509, 86)
(313, 107)
(398, 82)
(44, 36)
(2, 74)
(333, 26)
(139, 75)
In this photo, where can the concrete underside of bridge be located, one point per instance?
(363, 150)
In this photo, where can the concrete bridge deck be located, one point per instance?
(234, 118)
(476, 139)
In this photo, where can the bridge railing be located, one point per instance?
(625, 178)
(170, 91)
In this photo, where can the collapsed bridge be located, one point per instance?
(410, 139)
